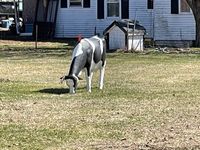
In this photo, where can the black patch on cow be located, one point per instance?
(97, 51)
(78, 63)
(89, 60)
(103, 57)
(72, 64)
(97, 56)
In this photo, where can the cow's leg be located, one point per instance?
(101, 78)
(88, 76)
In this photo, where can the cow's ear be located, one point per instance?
(79, 78)
(62, 79)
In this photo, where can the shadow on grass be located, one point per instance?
(56, 91)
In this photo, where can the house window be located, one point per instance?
(113, 8)
(184, 7)
(75, 3)
(149, 4)
(20, 5)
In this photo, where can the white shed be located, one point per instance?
(123, 34)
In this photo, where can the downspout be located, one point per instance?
(127, 36)
(153, 18)
(133, 34)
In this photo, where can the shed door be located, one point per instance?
(116, 39)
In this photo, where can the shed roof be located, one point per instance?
(126, 25)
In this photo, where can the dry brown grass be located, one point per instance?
(149, 102)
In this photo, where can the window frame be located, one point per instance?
(106, 10)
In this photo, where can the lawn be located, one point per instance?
(150, 101)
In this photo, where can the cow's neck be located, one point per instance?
(78, 64)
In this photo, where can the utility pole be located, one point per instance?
(16, 17)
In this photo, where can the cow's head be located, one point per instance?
(72, 82)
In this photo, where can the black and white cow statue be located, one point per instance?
(89, 55)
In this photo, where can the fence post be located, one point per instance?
(36, 36)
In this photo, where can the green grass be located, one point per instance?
(150, 101)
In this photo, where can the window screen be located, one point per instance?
(113, 8)
(184, 7)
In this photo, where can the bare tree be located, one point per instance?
(195, 6)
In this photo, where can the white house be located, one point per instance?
(166, 21)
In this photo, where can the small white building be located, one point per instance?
(124, 34)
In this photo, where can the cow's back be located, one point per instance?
(99, 51)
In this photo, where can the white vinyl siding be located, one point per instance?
(160, 24)
(139, 11)
(169, 26)
(74, 21)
